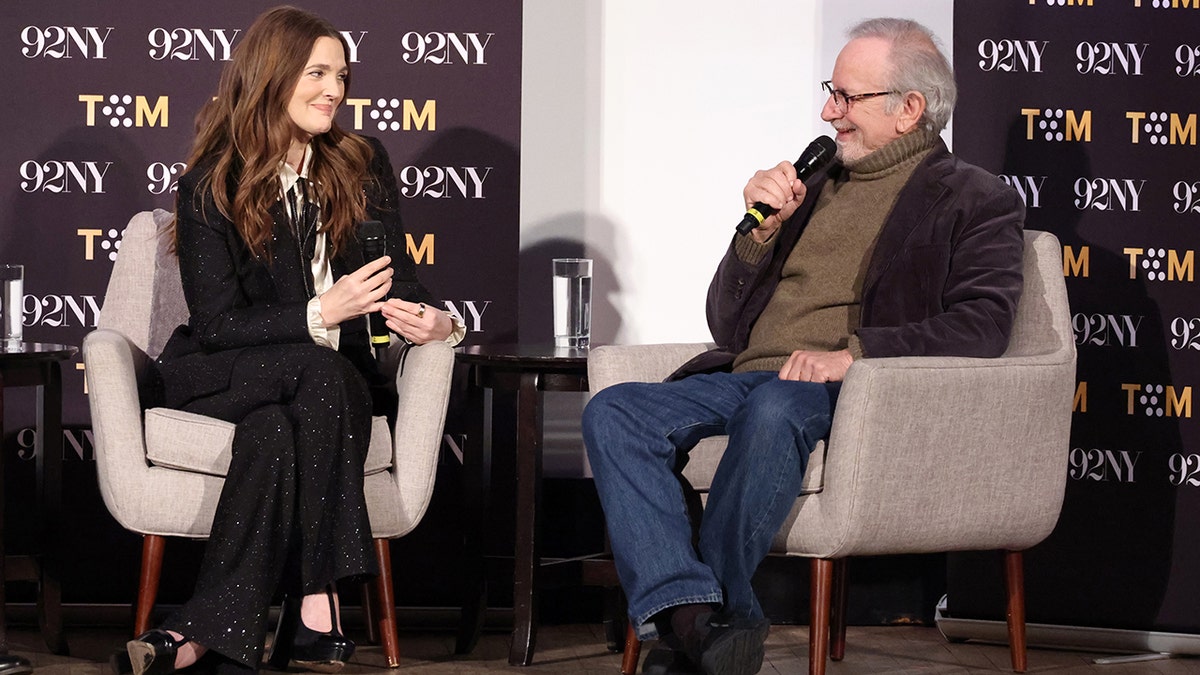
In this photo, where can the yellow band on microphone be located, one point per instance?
(757, 216)
(380, 339)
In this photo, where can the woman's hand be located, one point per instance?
(357, 293)
(417, 322)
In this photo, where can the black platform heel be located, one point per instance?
(322, 652)
(153, 652)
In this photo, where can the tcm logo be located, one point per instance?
(64, 42)
(64, 177)
(443, 182)
(163, 176)
(1103, 466)
(442, 48)
(473, 314)
(1187, 197)
(1161, 264)
(422, 254)
(1188, 58)
(1108, 194)
(110, 242)
(1109, 58)
(190, 44)
(1106, 330)
(394, 114)
(1168, 4)
(1029, 187)
(125, 110)
(1156, 400)
(1076, 264)
(1058, 124)
(1162, 128)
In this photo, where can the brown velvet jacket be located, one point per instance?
(943, 280)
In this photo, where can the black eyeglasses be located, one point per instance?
(842, 100)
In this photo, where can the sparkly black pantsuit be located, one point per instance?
(303, 420)
(291, 516)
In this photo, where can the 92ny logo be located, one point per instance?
(64, 177)
(64, 42)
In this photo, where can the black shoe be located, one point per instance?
(667, 661)
(11, 664)
(322, 652)
(153, 652)
(731, 646)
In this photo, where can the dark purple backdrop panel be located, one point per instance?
(101, 113)
(1090, 109)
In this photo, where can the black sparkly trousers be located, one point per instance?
(291, 515)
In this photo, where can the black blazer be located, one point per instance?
(236, 300)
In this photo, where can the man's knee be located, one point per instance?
(606, 406)
(611, 414)
(784, 402)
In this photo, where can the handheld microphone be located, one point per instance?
(814, 158)
(373, 240)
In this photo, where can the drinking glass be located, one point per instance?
(572, 302)
(12, 278)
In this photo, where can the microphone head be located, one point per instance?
(818, 153)
(370, 229)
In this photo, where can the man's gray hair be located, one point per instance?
(917, 65)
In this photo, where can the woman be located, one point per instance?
(277, 343)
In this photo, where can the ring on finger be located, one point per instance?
(421, 311)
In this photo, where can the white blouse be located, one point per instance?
(322, 273)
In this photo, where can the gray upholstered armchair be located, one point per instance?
(925, 455)
(161, 470)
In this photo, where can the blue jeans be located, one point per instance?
(634, 433)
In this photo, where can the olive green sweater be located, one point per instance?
(816, 304)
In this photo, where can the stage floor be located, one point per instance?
(579, 650)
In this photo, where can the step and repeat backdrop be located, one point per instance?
(1089, 109)
(101, 117)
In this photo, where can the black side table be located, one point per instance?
(527, 370)
(38, 364)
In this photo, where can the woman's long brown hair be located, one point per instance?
(245, 131)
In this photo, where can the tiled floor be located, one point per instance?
(579, 650)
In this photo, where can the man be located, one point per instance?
(901, 249)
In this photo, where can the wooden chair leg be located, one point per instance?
(370, 605)
(837, 610)
(387, 604)
(818, 623)
(153, 546)
(633, 651)
(1014, 581)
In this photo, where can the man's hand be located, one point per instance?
(779, 189)
(806, 366)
